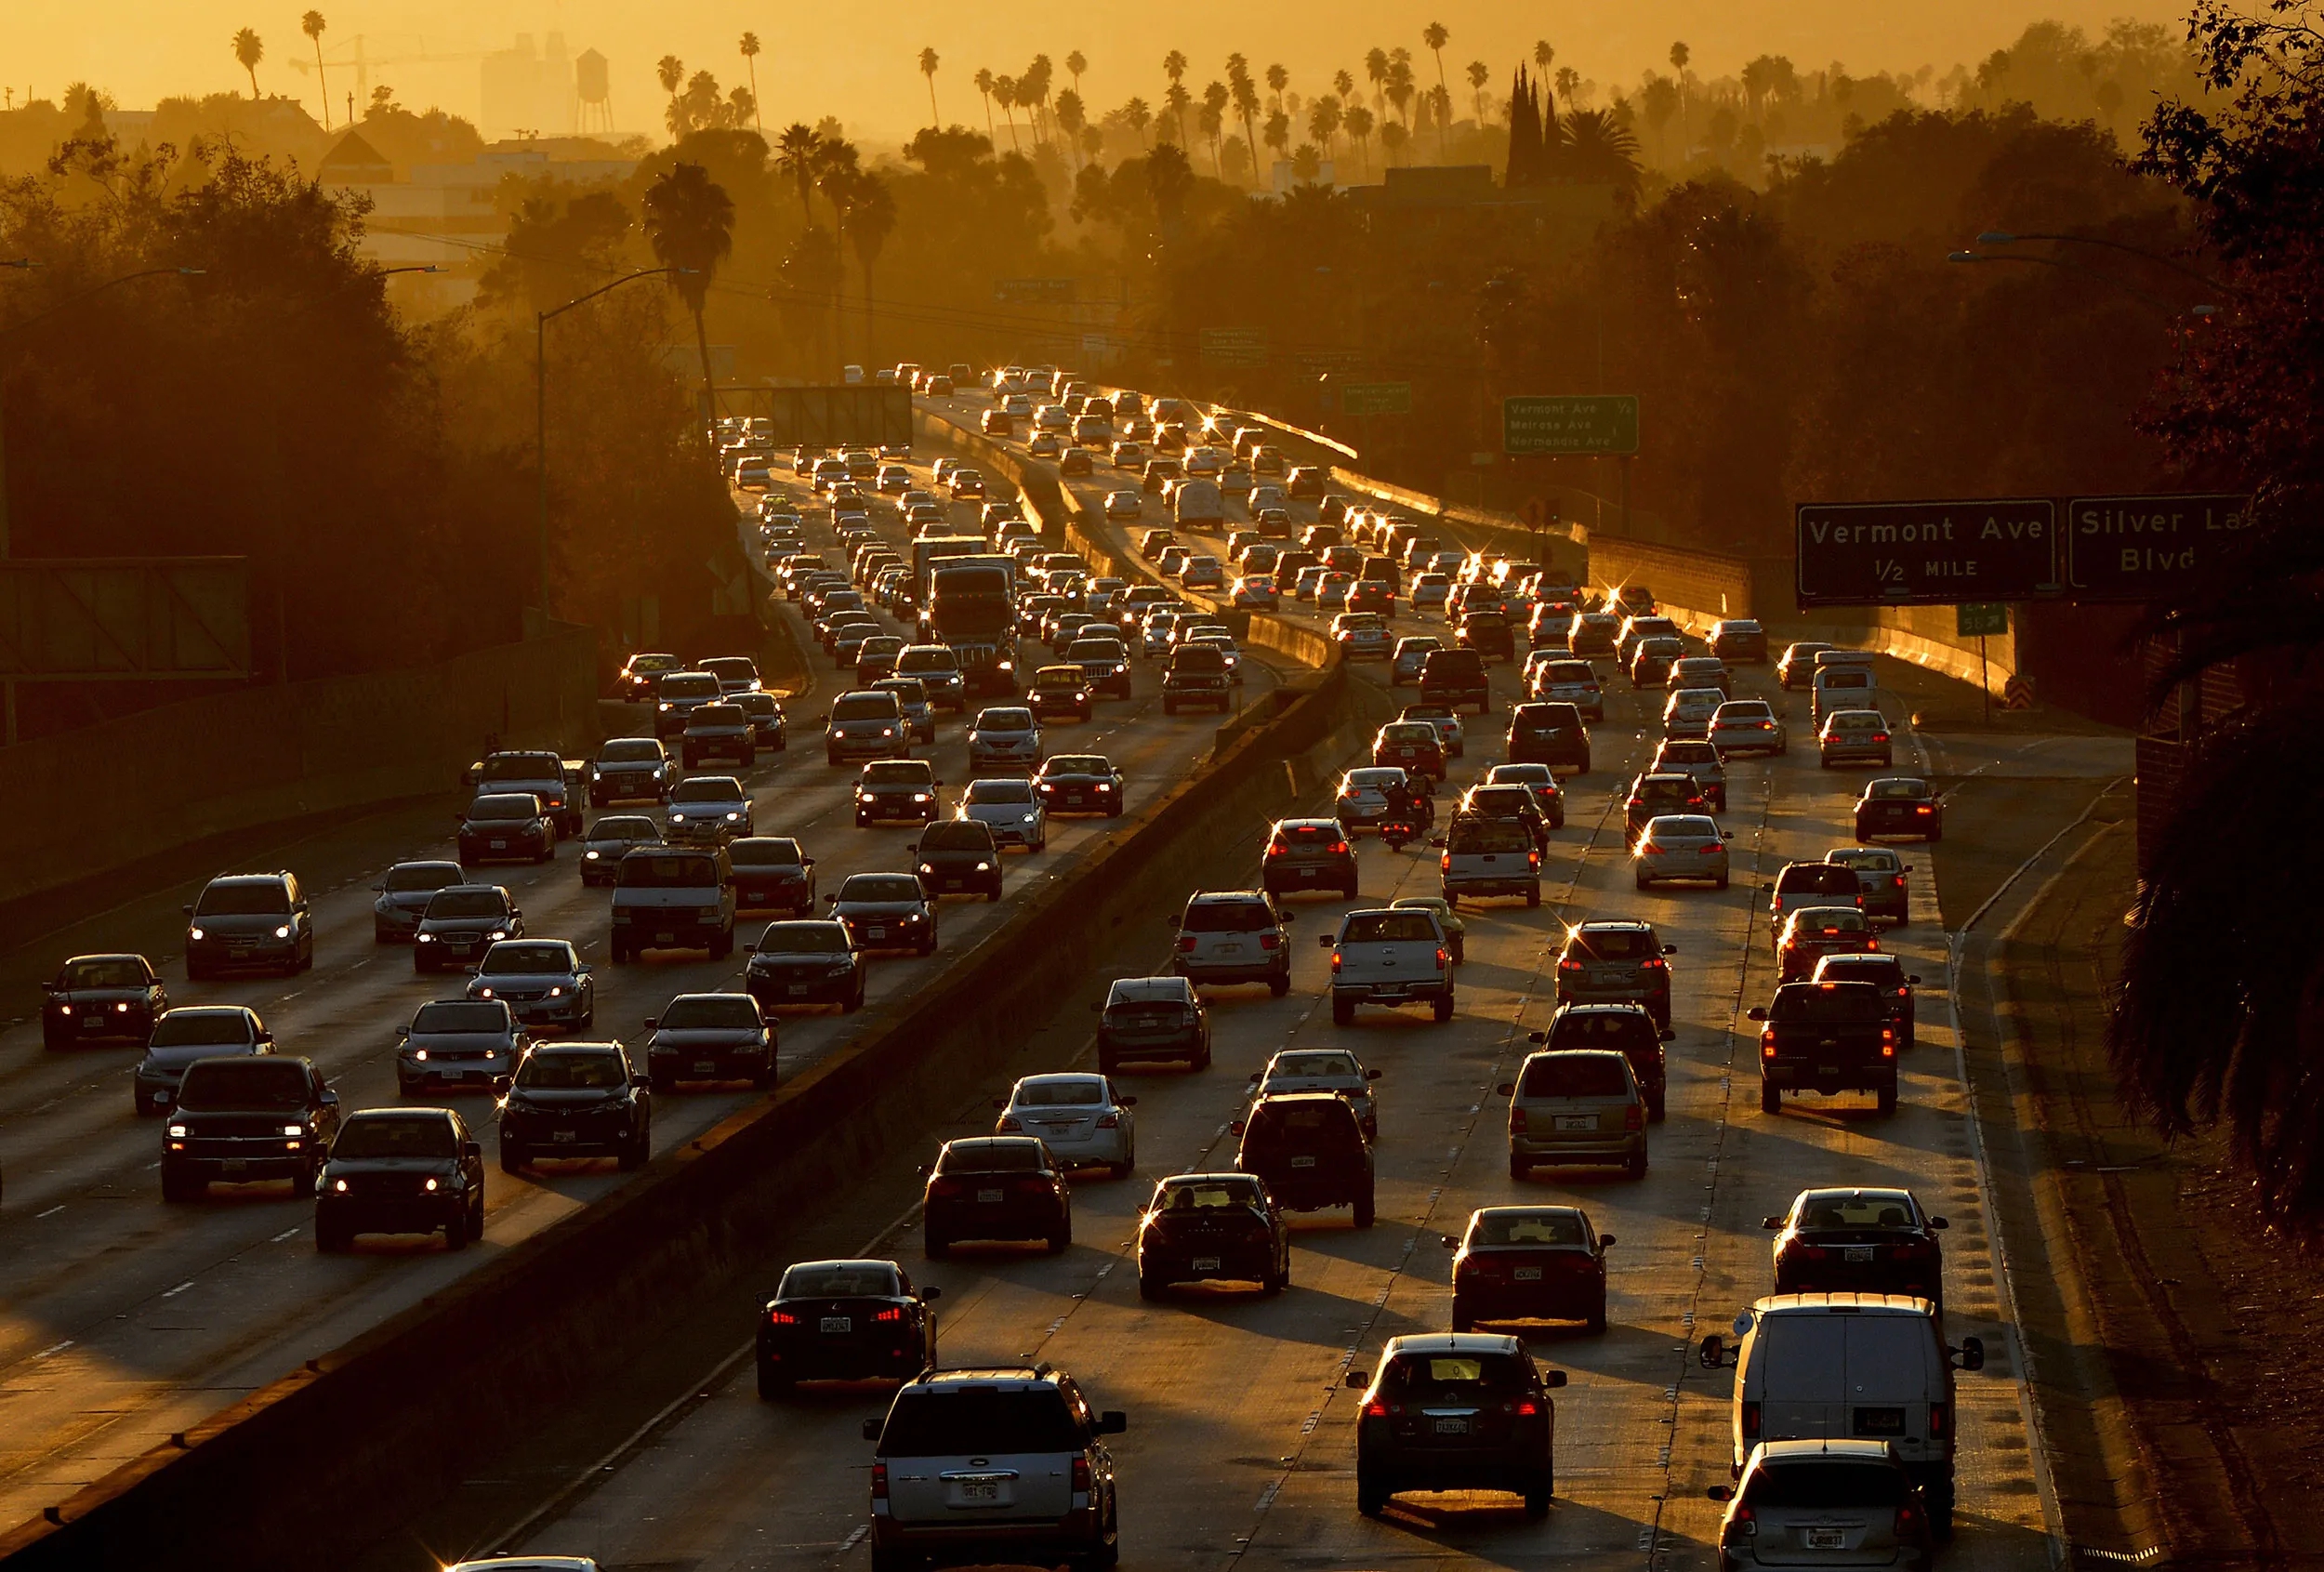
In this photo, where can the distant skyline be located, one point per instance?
(859, 61)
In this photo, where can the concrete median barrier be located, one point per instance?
(342, 1455)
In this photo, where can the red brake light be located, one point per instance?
(1936, 1420)
(1907, 1520)
(1009, 1122)
(1277, 849)
(1525, 1407)
(1445, 863)
(1656, 963)
(879, 1482)
(1767, 1043)
(1633, 1117)
(1337, 847)
(1109, 1121)
(1441, 957)
(1186, 941)
(1517, 1121)
(1569, 966)
(1750, 1421)
(781, 1319)
(891, 1313)
(1081, 1476)
(1335, 962)
(1376, 1409)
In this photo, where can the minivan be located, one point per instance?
(1489, 857)
(1832, 1366)
(1845, 683)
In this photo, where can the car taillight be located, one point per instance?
(1445, 861)
(781, 1319)
(1442, 958)
(1871, 944)
(1750, 1421)
(1900, 881)
(1745, 1521)
(1276, 850)
(879, 1482)
(1569, 966)
(943, 1189)
(1907, 1520)
(1110, 1121)
(1633, 1117)
(891, 1313)
(1533, 859)
(1186, 941)
(1338, 848)
(1335, 963)
(1656, 963)
(1937, 1420)
(1517, 1121)
(1523, 1409)
(1477, 1266)
(1376, 1409)
(1270, 941)
(1767, 1043)
(1010, 1122)
(1081, 1476)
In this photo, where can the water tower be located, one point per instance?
(592, 87)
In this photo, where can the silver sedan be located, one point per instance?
(1009, 809)
(1005, 737)
(1084, 1121)
(1681, 846)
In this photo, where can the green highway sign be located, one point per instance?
(1570, 423)
(1033, 291)
(1233, 346)
(1320, 362)
(1376, 398)
(1976, 621)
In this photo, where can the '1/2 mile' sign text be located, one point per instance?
(1927, 553)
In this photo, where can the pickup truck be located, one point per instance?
(1392, 956)
(670, 897)
(1198, 674)
(1826, 1037)
(544, 775)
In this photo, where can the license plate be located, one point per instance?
(92, 1023)
(1576, 1121)
(837, 1324)
(560, 1135)
(1206, 1263)
(1827, 1069)
(799, 990)
(234, 1165)
(1230, 949)
(705, 1066)
(988, 1197)
(1826, 1540)
(977, 1492)
(875, 933)
(1452, 1427)
(669, 938)
(1302, 1162)
(952, 884)
(1859, 1252)
(1529, 1274)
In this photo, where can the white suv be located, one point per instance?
(1234, 936)
(1012, 1459)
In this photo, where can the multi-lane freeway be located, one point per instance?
(124, 1319)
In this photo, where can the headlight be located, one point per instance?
(984, 868)
(64, 1008)
(928, 867)
(194, 933)
(919, 797)
(678, 818)
(863, 797)
(1030, 817)
(431, 1186)
(557, 990)
(1004, 666)
(497, 934)
(483, 993)
(419, 1055)
(589, 856)
(340, 1185)
(665, 708)
(424, 939)
(887, 731)
(294, 1130)
(177, 1132)
(733, 818)
(121, 1007)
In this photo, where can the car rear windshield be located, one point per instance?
(1477, 837)
(881, 886)
(189, 1028)
(1061, 1094)
(1012, 1156)
(1477, 1374)
(864, 707)
(461, 1015)
(109, 973)
(768, 853)
(1869, 1208)
(1304, 1121)
(264, 897)
(869, 1279)
(981, 1420)
(1816, 879)
(1870, 858)
(1617, 1029)
(1555, 1227)
(1575, 1075)
(1825, 1483)
(1227, 917)
(1882, 970)
(258, 1082)
(1208, 1194)
(1374, 927)
(1308, 1067)
(642, 871)
(570, 1071)
(703, 1011)
(503, 807)
(1080, 764)
(1545, 717)
(803, 938)
(468, 902)
(957, 835)
(1819, 1003)
(1898, 788)
(635, 751)
(395, 1138)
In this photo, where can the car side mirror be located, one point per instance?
(1371, 1075)
(642, 1082)
(1713, 1354)
(187, 909)
(1666, 1035)
(502, 1083)
(1507, 1089)
(1448, 1241)
(830, 900)
(750, 949)
(1358, 1379)
(330, 1099)
(1912, 976)
(1970, 1355)
(651, 1022)
(1236, 1127)
(1605, 1240)
(1669, 949)
(1537, 1036)
(871, 1430)
(1436, 840)
(1553, 1379)
(1113, 1421)
(921, 1170)
(1938, 1223)
(1767, 889)
(471, 1151)
(1324, 940)
(1727, 835)
(1719, 1493)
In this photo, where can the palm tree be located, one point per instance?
(1357, 122)
(1437, 35)
(1032, 95)
(1277, 80)
(249, 51)
(1323, 122)
(1376, 73)
(1072, 116)
(985, 82)
(1076, 63)
(1568, 79)
(1392, 138)
(1005, 93)
(671, 72)
(1246, 103)
(928, 69)
(1279, 134)
(1175, 101)
(795, 154)
(871, 219)
(1211, 121)
(1659, 101)
(1680, 55)
(1600, 149)
(1400, 91)
(835, 168)
(1139, 117)
(689, 223)
(1479, 74)
(750, 63)
(312, 24)
(1542, 55)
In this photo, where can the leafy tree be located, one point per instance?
(248, 52)
(690, 224)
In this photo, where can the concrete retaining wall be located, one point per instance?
(340, 1456)
(166, 777)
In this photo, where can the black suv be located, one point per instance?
(957, 857)
(1456, 677)
(1309, 1147)
(844, 1320)
(1309, 854)
(1455, 1411)
(1653, 795)
(1208, 1227)
(1627, 1029)
(253, 920)
(1150, 1018)
(401, 1171)
(100, 998)
(1549, 732)
(575, 1099)
(994, 1187)
(234, 1122)
(1617, 961)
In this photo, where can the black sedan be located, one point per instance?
(1900, 805)
(575, 1099)
(887, 911)
(101, 998)
(609, 840)
(1528, 1264)
(844, 1320)
(957, 857)
(461, 922)
(1080, 782)
(771, 874)
(996, 1187)
(710, 1038)
(1212, 1227)
(1865, 1241)
(892, 789)
(508, 826)
(401, 1171)
(805, 963)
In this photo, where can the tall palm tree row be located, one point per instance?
(249, 51)
(690, 224)
(312, 25)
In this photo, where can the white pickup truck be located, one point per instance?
(1390, 956)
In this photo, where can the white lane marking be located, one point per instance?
(173, 1293)
(286, 1234)
(50, 1212)
(52, 1348)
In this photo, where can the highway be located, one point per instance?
(1240, 1448)
(123, 1320)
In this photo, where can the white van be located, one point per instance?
(1845, 679)
(1850, 1366)
(1198, 502)
(852, 376)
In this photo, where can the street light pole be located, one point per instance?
(2165, 307)
(2006, 237)
(540, 416)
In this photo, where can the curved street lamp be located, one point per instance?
(2007, 237)
(2165, 307)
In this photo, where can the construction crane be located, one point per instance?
(364, 63)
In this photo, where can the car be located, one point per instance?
(1651, 660)
(876, 659)
(1305, 853)
(610, 837)
(959, 856)
(892, 790)
(187, 1032)
(711, 809)
(1687, 712)
(1429, 592)
(1855, 736)
(1859, 1241)
(843, 1320)
(101, 998)
(1410, 653)
(1010, 810)
(995, 1188)
(1812, 933)
(1060, 691)
(642, 675)
(710, 1038)
(505, 826)
(1699, 758)
(736, 674)
(1828, 1038)
(1234, 936)
(1825, 1503)
(1549, 732)
(575, 1099)
(1700, 671)
(244, 1118)
(1004, 737)
(1203, 572)
(250, 921)
(1676, 846)
(1507, 800)
(803, 962)
(401, 1171)
(865, 724)
(1254, 592)
(630, 770)
(458, 1042)
(1748, 726)
(1565, 681)
(1154, 542)
(1103, 660)
(1488, 633)
(937, 669)
(1212, 1227)
(462, 920)
(404, 891)
(889, 911)
(1547, 796)
(1655, 794)
(1528, 1264)
(545, 981)
(1881, 879)
(1627, 1029)
(1738, 639)
(920, 716)
(1455, 677)
(1057, 1503)
(1145, 1019)
(1308, 1147)
(676, 693)
(1899, 806)
(1335, 1070)
(1797, 668)
(1577, 1106)
(1363, 793)
(1411, 746)
(1615, 960)
(1455, 1411)
(1080, 782)
(770, 873)
(1082, 1120)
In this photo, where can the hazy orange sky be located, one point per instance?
(858, 60)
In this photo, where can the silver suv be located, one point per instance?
(1576, 1106)
(1012, 1461)
(1234, 936)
